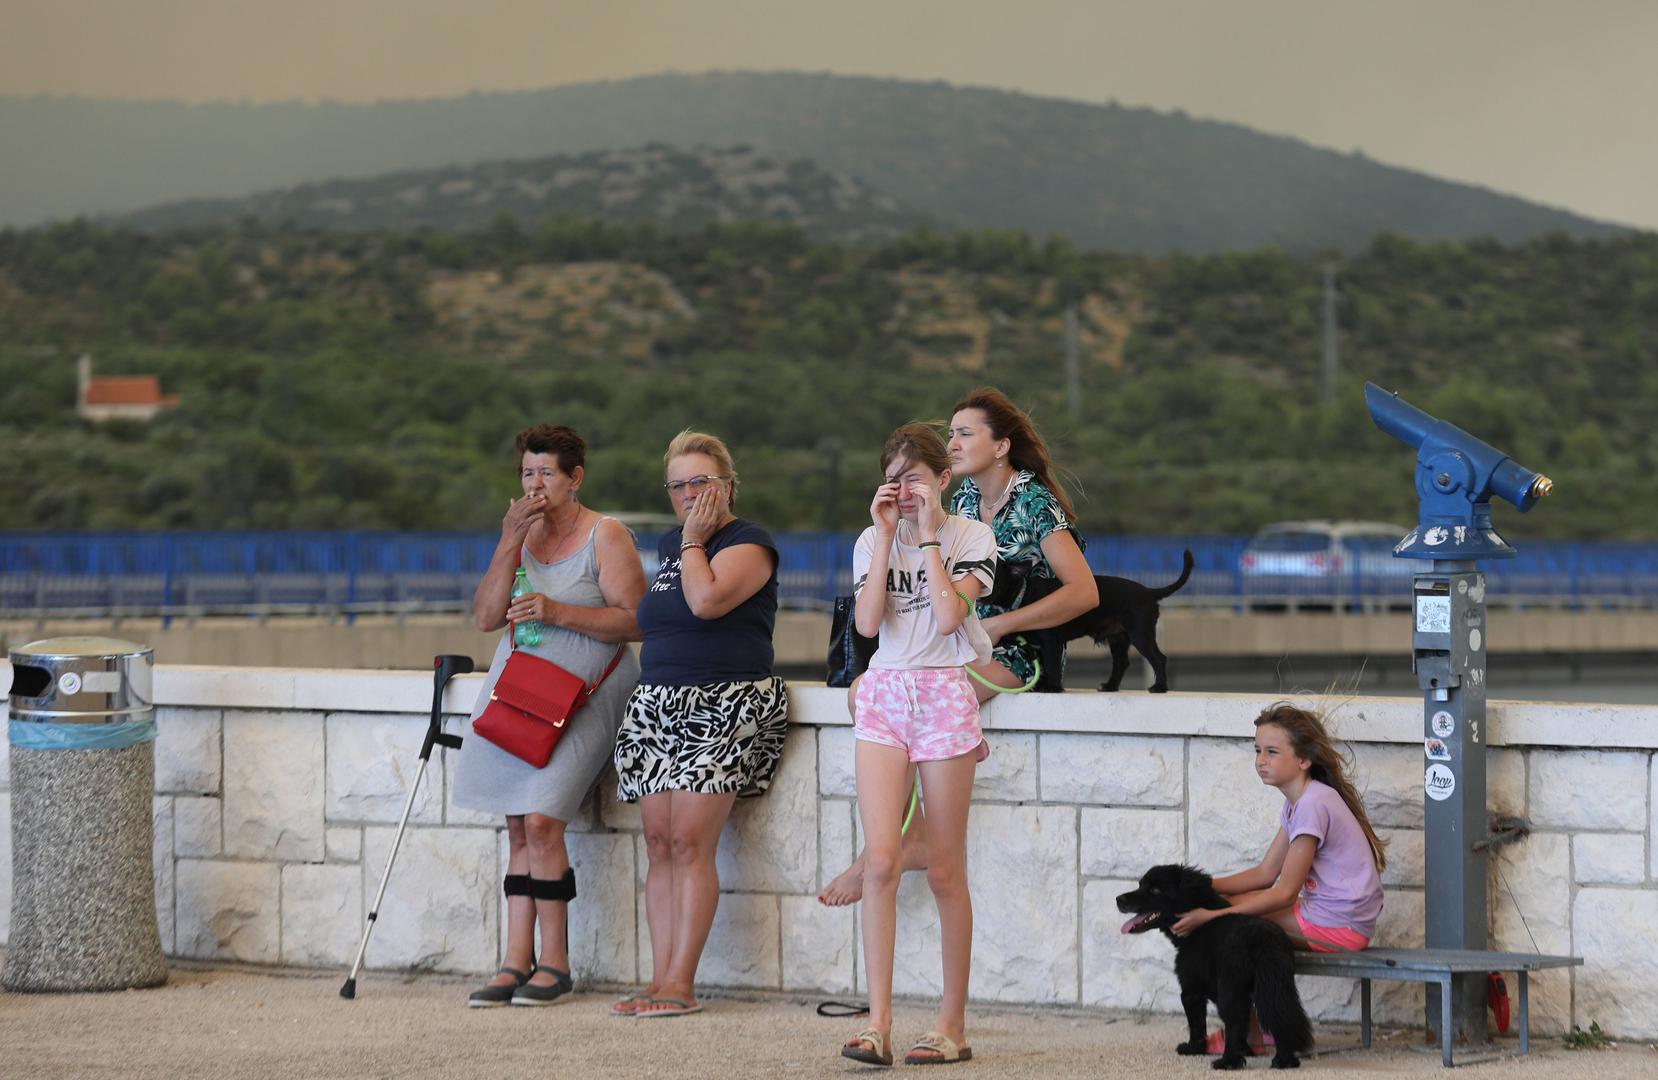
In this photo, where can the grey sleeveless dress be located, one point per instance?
(488, 778)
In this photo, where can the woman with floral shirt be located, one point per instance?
(1010, 486)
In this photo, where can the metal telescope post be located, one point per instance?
(1456, 475)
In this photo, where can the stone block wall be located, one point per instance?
(278, 794)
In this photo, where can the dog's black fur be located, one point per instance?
(1234, 961)
(1126, 615)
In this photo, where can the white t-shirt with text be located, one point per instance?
(909, 632)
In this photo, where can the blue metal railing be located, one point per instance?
(91, 571)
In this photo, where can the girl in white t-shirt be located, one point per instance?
(917, 571)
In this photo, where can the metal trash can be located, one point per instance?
(82, 736)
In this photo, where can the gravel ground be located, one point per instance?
(230, 1024)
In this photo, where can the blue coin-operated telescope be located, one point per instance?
(1456, 475)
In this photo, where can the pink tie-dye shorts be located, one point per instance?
(930, 712)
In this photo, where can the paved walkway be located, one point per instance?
(241, 1024)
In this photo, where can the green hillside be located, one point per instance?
(1129, 179)
(375, 379)
(682, 189)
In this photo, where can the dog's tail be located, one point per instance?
(1278, 1004)
(1170, 590)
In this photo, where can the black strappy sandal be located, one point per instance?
(490, 997)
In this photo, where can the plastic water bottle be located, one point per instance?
(525, 633)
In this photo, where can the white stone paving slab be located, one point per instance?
(818, 945)
(743, 947)
(836, 762)
(440, 910)
(1021, 868)
(1405, 856)
(344, 843)
(452, 814)
(322, 915)
(1389, 781)
(1122, 770)
(372, 761)
(1577, 791)
(835, 839)
(1231, 815)
(1615, 931)
(603, 927)
(1529, 891)
(1123, 844)
(187, 751)
(1009, 773)
(198, 826)
(228, 911)
(162, 868)
(273, 785)
(1609, 858)
(1396, 720)
(1505, 781)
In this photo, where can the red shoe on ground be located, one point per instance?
(1496, 996)
(1217, 1044)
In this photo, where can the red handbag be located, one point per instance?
(532, 701)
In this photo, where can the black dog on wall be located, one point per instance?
(1235, 962)
(1126, 615)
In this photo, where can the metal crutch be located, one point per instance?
(447, 667)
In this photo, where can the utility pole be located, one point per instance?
(1330, 358)
(1073, 363)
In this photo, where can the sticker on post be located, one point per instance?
(69, 682)
(1440, 782)
(1436, 750)
(1433, 614)
(1444, 724)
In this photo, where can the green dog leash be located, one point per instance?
(1036, 665)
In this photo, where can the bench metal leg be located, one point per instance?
(1364, 1013)
(1525, 1017)
(1445, 1033)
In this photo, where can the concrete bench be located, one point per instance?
(1429, 966)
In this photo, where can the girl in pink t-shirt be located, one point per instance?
(1321, 877)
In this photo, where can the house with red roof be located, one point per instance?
(119, 397)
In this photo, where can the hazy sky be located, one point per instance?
(1538, 99)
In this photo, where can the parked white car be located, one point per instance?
(1320, 558)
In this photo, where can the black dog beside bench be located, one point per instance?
(1430, 966)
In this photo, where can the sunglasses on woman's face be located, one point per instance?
(695, 483)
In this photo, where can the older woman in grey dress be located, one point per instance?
(586, 583)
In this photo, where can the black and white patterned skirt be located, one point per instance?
(715, 739)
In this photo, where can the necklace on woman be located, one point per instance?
(990, 512)
(558, 544)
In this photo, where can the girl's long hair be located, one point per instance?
(1330, 766)
(1026, 450)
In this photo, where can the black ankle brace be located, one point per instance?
(562, 889)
